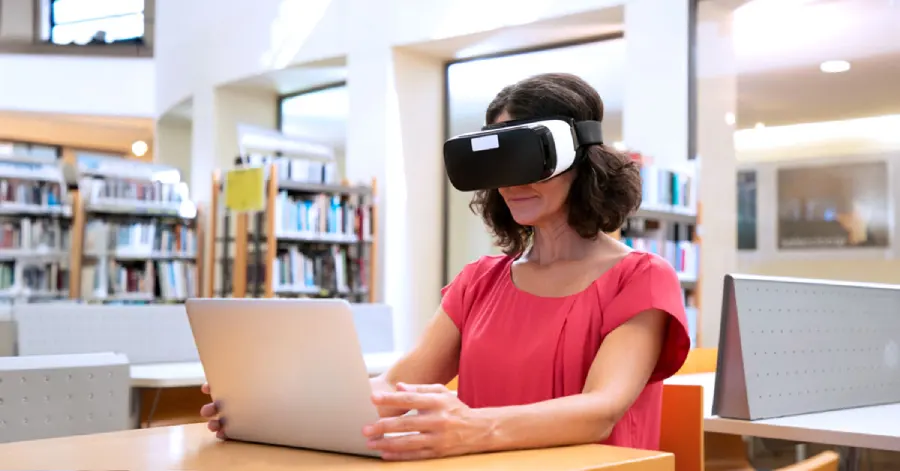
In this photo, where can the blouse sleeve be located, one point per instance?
(456, 296)
(653, 284)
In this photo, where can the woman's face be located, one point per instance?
(537, 203)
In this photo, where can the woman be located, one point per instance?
(563, 340)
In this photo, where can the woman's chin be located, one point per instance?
(525, 219)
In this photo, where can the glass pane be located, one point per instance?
(116, 29)
(67, 11)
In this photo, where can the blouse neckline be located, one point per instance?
(522, 292)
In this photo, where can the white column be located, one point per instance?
(655, 115)
(716, 109)
(655, 123)
(173, 141)
(394, 134)
(203, 144)
(216, 113)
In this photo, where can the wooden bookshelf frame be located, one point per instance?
(241, 241)
(79, 225)
(209, 275)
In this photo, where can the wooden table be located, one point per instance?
(192, 447)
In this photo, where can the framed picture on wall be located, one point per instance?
(746, 210)
(834, 206)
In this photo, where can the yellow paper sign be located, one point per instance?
(245, 189)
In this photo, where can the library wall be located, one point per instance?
(173, 144)
(848, 264)
(114, 86)
(395, 135)
(276, 34)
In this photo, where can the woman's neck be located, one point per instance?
(555, 242)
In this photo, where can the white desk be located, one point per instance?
(178, 375)
(874, 427)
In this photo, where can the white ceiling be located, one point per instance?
(777, 48)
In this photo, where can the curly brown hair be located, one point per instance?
(607, 184)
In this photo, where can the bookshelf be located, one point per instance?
(666, 224)
(315, 237)
(139, 236)
(35, 227)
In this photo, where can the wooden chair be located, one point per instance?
(716, 452)
(453, 384)
(700, 360)
(681, 426)
(825, 461)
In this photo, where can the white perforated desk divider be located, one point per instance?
(794, 346)
(149, 334)
(60, 395)
(146, 334)
(374, 326)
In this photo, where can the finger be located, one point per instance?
(402, 443)
(205, 388)
(407, 400)
(402, 424)
(209, 410)
(214, 425)
(422, 388)
(221, 435)
(409, 455)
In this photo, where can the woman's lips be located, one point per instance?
(521, 199)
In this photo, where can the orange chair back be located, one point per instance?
(700, 360)
(681, 430)
(825, 461)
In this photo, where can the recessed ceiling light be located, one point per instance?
(730, 119)
(139, 148)
(834, 67)
(760, 125)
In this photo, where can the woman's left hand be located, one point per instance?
(442, 426)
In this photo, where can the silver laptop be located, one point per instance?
(286, 372)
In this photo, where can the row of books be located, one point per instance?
(97, 189)
(34, 234)
(334, 271)
(30, 192)
(138, 238)
(45, 278)
(307, 171)
(663, 188)
(684, 255)
(166, 280)
(322, 214)
(7, 276)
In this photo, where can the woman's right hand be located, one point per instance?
(211, 412)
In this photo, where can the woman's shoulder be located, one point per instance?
(639, 264)
(486, 266)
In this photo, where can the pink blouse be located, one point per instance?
(519, 348)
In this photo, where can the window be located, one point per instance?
(96, 21)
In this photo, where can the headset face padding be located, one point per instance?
(516, 153)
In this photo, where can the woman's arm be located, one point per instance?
(618, 374)
(434, 360)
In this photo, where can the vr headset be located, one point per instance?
(517, 152)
